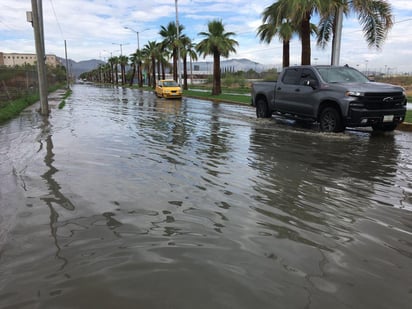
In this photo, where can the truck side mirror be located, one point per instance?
(311, 83)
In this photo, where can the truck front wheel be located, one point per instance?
(262, 110)
(330, 120)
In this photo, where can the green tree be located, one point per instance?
(151, 50)
(134, 62)
(123, 61)
(277, 23)
(217, 42)
(188, 50)
(172, 42)
(114, 62)
(298, 13)
(375, 17)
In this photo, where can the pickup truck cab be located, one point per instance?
(335, 96)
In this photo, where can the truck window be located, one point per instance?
(307, 75)
(342, 75)
(291, 76)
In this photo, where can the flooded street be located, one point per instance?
(123, 200)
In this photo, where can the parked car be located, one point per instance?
(335, 96)
(168, 88)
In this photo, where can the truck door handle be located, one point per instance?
(279, 88)
(297, 90)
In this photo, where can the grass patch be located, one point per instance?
(68, 93)
(65, 96)
(225, 97)
(16, 106)
(62, 104)
(408, 117)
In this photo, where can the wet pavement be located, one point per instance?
(123, 200)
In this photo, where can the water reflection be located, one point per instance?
(55, 197)
(141, 197)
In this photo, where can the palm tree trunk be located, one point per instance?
(216, 90)
(133, 74)
(175, 64)
(286, 54)
(140, 73)
(185, 73)
(154, 71)
(305, 33)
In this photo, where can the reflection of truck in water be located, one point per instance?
(335, 96)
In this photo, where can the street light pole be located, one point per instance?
(137, 35)
(178, 46)
(120, 44)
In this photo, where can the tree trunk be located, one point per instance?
(175, 64)
(216, 90)
(305, 33)
(286, 54)
(154, 71)
(185, 73)
(140, 73)
(133, 74)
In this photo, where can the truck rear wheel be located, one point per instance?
(262, 110)
(330, 120)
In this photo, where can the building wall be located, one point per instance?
(13, 59)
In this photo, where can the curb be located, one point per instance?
(405, 126)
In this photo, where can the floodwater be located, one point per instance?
(123, 200)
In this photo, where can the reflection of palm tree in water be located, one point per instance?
(55, 196)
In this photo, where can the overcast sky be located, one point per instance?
(90, 28)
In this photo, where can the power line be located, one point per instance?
(57, 20)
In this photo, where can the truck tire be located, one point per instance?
(384, 127)
(262, 110)
(330, 120)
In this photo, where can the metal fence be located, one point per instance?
(18, 82)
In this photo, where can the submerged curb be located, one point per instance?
(405, 126)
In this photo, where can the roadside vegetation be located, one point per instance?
(15, 107)
(19, 87)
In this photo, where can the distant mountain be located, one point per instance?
(232, 65)
(77, 68)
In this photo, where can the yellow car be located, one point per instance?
(168, 88)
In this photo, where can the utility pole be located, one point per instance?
(37, 23)
(338, 38)
(67, 65)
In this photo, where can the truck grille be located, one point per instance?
(383, 100)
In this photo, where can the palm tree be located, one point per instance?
(134, 62)
(298, 13)
(172, 42)
(375, 17)
(216, 42)
(151, 50)
(284, 29)
(123, 61)
(114, 73)
(187, 50)
(276, 23)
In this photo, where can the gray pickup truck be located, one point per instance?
(335, 96)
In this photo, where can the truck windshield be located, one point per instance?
(342, 75)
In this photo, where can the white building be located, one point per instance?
(13, 59)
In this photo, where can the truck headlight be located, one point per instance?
(353, 94)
